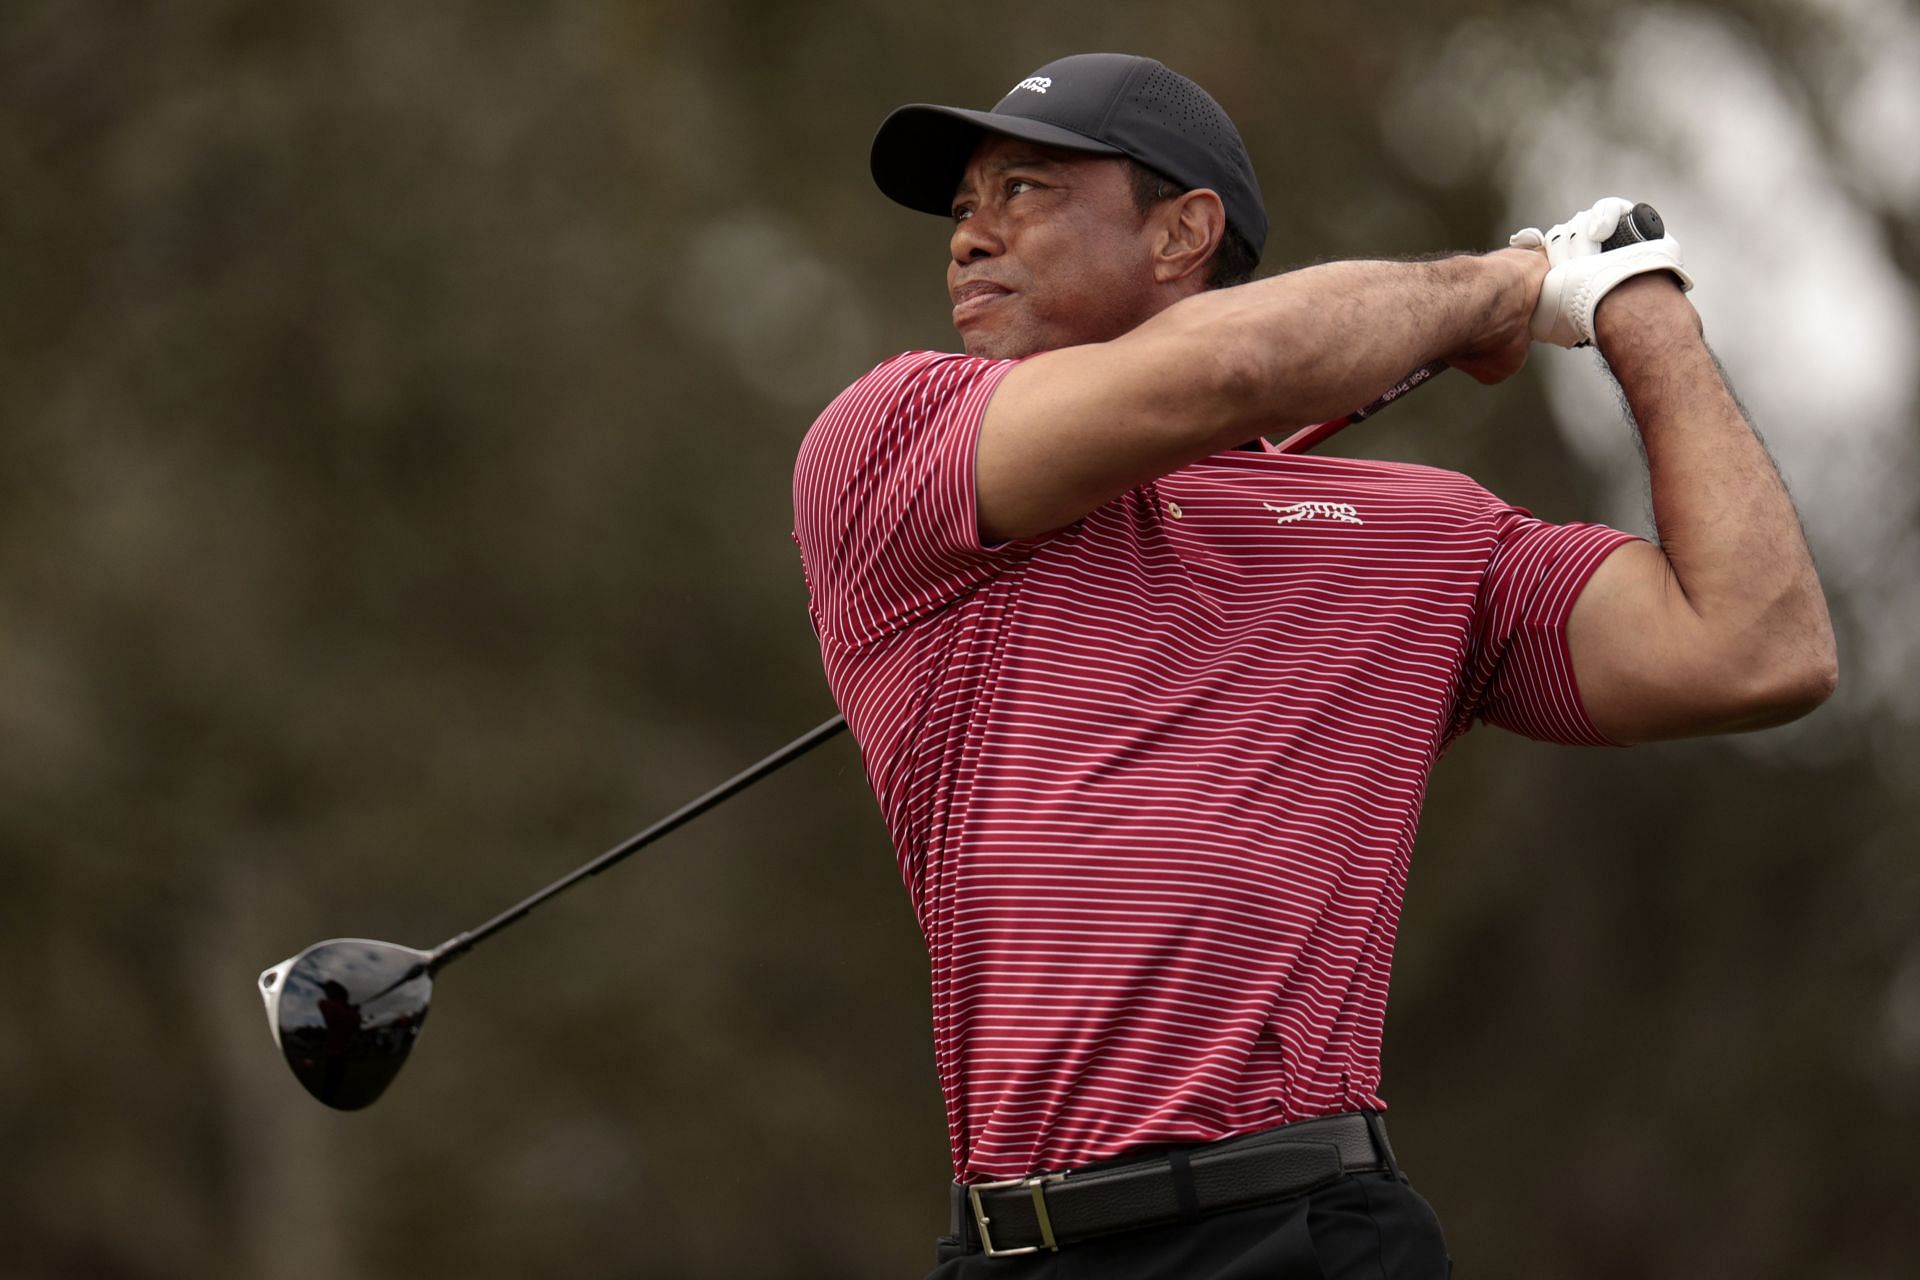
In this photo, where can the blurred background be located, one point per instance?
(397, 408)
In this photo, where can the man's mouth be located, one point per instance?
(974, 297)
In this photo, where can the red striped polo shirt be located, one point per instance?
(1153, 779)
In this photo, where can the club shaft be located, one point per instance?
(1307, 437)
(458, 945)
(1643, 223)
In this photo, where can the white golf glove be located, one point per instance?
(1581, 273)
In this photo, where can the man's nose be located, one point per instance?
(974, 237)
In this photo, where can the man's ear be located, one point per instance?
(1192, 225)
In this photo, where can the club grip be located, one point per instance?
(1642, 222)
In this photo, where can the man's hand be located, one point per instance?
(1583, 270)
(1497, 353)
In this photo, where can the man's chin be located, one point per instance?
(999, 346)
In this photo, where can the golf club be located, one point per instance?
(345, 1012)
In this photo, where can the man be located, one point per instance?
(1149, 706)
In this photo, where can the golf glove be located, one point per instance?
(1580, 273)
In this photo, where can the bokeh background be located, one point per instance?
(397, 407)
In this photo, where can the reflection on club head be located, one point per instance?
(345, 1014)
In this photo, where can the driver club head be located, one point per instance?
(345, 1014)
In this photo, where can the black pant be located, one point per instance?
(1366, 1225)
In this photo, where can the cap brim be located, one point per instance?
(921, 150)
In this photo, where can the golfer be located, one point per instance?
(1150, 706)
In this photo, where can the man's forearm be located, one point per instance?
(1727, 526)
(1072, 428)
(1320, 341)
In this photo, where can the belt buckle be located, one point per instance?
(1034, 1184)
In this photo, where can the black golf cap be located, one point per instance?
(1106, 104)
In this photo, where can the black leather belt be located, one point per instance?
(1045, 1211)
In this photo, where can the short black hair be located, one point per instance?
(1232, 262)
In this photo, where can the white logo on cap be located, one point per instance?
(1039, 84)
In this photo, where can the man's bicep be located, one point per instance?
(1646, 663)
(1069, 430)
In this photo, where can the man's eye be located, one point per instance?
(961, 213)
(1013, 187)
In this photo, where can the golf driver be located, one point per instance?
(346, 1012)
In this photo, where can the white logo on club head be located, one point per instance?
(1343, 512)
(1039, 84)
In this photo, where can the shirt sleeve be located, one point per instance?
(1519, 669)
(884, 510)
